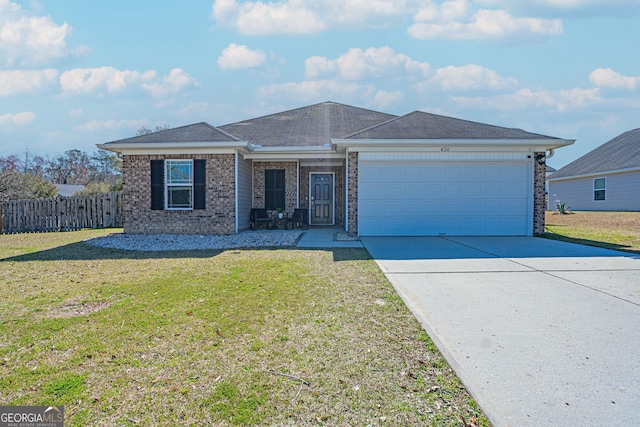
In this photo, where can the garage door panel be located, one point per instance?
(472, 190)
(412, 191)
(451, 191)
(392, 174)
(432, 174)
(411, 173)
(431, 191)
(469, 198)
(412, 208)
(512, 189)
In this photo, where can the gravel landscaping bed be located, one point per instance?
(178, 242)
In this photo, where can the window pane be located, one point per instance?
(179, 172)
(599, 195)
(179, 197)
(600, 183)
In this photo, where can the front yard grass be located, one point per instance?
(612, 230)
(224, 338)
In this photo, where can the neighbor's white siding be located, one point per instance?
(622, 193)
(244, 192)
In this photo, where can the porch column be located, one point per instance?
(352, 193)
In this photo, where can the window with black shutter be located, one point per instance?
(274, 188)
(178, 184)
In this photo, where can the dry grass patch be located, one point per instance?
(225, 338)
(613, 230)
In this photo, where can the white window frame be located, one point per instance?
(604, 189)
(184, 184)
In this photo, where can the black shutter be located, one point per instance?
(199, 183)
(274, 188)
(157, 184)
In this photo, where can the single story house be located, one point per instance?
(605, 179)
(375, 174)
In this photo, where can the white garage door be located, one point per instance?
(445, 198)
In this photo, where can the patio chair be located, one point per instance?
(299, 217)
(260, 216)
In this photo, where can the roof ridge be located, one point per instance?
(304, 108)
(375, 126)
(219, 130)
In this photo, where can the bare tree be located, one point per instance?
(70, 168)
(146, 131)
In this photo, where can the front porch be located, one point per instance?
(317, 186)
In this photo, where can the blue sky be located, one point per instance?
(74, 73)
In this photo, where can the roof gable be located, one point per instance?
(421, 125)
(622, 152)
(314, 125)
(198, 132)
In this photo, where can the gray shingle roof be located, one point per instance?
(314, 125)
(622, 152)
(198, 132)
(421, 125)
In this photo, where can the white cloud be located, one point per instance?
(606, 77)
(258, 18)
(467, 77)
(457, 20)
(26, 81)
(453, 19)
(357, 64)
(384, 100)
(317, 89)
(30, 40)
(306, 17)
(19, 119)
(110, 125)
(177, 80)
(565, 4)
(194, 109)
(562, 101)
(237, 57)
(88, 80)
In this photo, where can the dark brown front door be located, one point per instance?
(321, 199)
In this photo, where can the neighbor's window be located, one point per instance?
(274, 189)
(599, 188)
(179, 184)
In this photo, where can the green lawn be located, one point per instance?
(611, 230)
(239, 337)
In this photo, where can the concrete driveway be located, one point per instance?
(542, 333)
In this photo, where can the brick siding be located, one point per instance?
(352, 197)
(290, 182)
(217, 218)
(539, 196)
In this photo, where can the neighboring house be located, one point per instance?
(68, 190)
(549, 172)
(370, 172)
(605, 179)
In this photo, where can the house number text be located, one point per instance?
(445, 149)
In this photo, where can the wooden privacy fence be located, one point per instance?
(61, 213)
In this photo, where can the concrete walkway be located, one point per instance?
(324, 237)
(542, 333)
